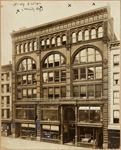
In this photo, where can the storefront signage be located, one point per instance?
(55, 128)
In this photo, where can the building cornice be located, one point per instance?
(114, 44)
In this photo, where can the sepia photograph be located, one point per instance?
(60, 75)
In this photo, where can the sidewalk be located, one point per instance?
(16, 143)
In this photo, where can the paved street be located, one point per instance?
(16, 143)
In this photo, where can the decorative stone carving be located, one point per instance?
(105, 61)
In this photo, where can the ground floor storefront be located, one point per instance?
(79, 125)
(5, 129)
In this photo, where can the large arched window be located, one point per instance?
(26, 64)
(58, 41)
(47, 43)
(64, 39)
(25, 48)
(54, 60)
(35, 46)
(73, 37)
(87, 55)
(42, 44)
(17, 49)
(93, 33)
(21, 48)
(100, 32)
(86, 35)
(53, 42)
(80, 36)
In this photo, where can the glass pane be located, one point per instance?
(98, 72)
(75, 71)
(83, 73)
(51, 61)
(83, 91)
(90, 91)
(24, 79)
(23, 65)
(44, 93)
(50, 76)
(91, 73)
(84, 116)
(80, 36)
(56, 76)
(50, 115)
(24, 93)
(62, 60)
(76, 60)
(44, 77)
(86, 34)
(29, 64)
(63, 91)
(63, 75)
(29, 79)
(73, 37)
(93, 34)
(56, 59)
(94, 116)
(58, 41)
(45, 64)
(98, 56)
(29, 93)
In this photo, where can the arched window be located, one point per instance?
(87, 55)
(54, 60)
(73, 37)
(86, 35)
(93, 33)
(25, 48)
(42, 44)
(47, 43)
(26, 64)
(64, 39)
(53, 42)
(100, 32)
(58, 41)
(35, 46)
(30, 47)
(17, 49)
(21, 48)
(80, 36)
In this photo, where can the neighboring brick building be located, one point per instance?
(6, 100)
(114, 94)
(60, 78)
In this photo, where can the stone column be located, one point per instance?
(76, 132)
(38, 119)
(61, 124)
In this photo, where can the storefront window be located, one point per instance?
(94, 114)
(84, 114)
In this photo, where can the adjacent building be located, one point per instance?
(114, 94)
(60, 80)
(6, 99)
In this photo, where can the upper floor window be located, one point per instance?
(2, 77)
(116, 97)
(2, 88)
(100, 32)
(80, 36)
(35, 46)
(26, 64)
(42, 44)
(93, 33)
(73, 37)
(7, 88)
(30, 47)
(116, 115)
(25, 47)
(116, 78)
(47, 43)
(86, 35)
(17, 49)
(54, 60)
(64, 39)
(21, 48)
(53, 42)
(58, 41)
(116, 60)
(87, 55)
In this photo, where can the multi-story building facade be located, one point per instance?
(6, 99)
(114, 94)
(60, 79)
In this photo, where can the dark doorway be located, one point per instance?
(69, 115)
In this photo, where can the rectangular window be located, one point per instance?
(29, 93)
(19, 94)
(29, 78)
(19, 80)
(2, 101)
(90, 91)
(50, 93)
(63, 91)
(56, 76)
(116, 97)
(98, 72)
(2, 88)
(63, 75)
(116, 78)
(45, 77)
(50, 76)
(18, 114)
(2, 77)
(45, 93)
(83, 73)
(8, 100)
(57, 92)
(24, 79)
(34, 93)
(83, 91)
(98, 91)
(7, 77)
(76, 91)
(8, 113)
(116, 116)
(2, 113)
(94, 114)
(91, 73)
(24, 93)
(34, 79)
(116, 60)
(8, 88)
(75, 74)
